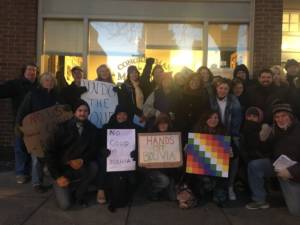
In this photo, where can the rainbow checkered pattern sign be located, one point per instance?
(208, 154)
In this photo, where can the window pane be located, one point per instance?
(121, 44)
(285, 27)
(286, 18)
(294, 18)
(294, 27)
(60, 66)
(63, 37)
(227, 46)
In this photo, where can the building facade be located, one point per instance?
(59, 34)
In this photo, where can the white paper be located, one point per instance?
(283, 162)
(120, 142)
(102, 100)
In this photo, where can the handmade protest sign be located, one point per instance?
(120, 143)
(160, 150)
(102, 100)
(208, 154)
(38, 126)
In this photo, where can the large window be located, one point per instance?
(290, 36)
(119, 45)
(62, 47)
(227, 47)
(68, 43)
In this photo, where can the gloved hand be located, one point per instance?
(116, 89)
(133, 155)
(150, 60)
(107, 153)
(265, 132)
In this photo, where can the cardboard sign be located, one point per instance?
(102, 100)
(120, 142)
(208, 154)
(38, 126)
(160, 150)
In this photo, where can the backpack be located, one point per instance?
(185, 197)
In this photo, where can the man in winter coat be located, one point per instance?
(71, 157)
(286, 142)
(16, 90)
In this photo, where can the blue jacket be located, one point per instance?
(233, 114)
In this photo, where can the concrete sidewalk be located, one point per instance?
(19, 205)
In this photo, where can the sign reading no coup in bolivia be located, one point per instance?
(38, 126)
(120, 142)
(102, 100)
(160, 150)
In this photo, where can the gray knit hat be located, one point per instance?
(282, 106)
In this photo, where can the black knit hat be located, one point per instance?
(79, 103)
(255, 111)
(291, 62)
(281, 107)
(122, 108)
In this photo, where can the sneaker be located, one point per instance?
(22, 179)
(257, 205)
(40, 188)
(231, 194)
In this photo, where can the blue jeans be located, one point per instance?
(291, 193)
(37, 172)
(258, 170)
(78, 188)
(22, 157)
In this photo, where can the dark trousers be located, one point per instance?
(79, 183)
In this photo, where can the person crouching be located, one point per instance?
(70, 155)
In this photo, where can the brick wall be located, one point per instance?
(18, 27)
(267, 34)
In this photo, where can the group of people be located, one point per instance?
(260, 115)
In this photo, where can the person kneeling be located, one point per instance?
(70, 156)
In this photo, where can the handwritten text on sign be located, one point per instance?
(102, 100)
(38, 126)
(120, 142)
(160, 150)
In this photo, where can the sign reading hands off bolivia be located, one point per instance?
(102, 100)
(120, 142)
(38, 126)
(160, 150)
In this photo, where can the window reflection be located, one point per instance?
(120, 44)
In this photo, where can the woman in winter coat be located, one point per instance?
(120, 185)
(131, 93)
(43, 97)
(192, 103)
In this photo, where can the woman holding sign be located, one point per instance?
(121, 182)
(43, 97)
(161, 182)
(209, 123)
